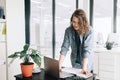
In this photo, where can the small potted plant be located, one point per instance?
(27, 54)
(109, 45)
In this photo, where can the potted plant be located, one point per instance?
(27, 54)
(109, 45)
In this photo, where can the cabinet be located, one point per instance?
(2, 50)
(107, 63)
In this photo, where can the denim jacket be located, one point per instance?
(87, 48)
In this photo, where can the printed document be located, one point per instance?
(75, 71)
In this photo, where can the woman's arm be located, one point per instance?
(84, 67)
(61, 58)
(64, 47)
(88, 50)
(85, 62)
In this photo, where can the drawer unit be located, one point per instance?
(107, 74)
(107, 68)
(107, 64)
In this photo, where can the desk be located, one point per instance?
(43, 76)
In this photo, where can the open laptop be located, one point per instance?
(51, 67)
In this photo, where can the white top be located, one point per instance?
(81, 37)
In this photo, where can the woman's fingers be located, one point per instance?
(60, 70)
(87, 73)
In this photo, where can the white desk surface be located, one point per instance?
(115, 50)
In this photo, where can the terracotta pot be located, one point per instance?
(27, 69)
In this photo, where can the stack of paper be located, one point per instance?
(75, 71)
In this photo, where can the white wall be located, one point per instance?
(15, 32)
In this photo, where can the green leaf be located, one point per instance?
(26, 54)
(33, 52)
(13, 59)
(36, 59)
(26, 58)
(16, 54)
(26, 46)
(22, 54)
(38, 56)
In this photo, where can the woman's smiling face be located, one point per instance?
(75, 23)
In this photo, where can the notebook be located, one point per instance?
(51, 67)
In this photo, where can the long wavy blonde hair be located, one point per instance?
(83, 22)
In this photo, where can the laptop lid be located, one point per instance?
(51, 67)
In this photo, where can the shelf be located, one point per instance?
(2, 41)
(2, 20)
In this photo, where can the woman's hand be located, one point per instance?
(60, 70)
(86, 72)
(84, 68)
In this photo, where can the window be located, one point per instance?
(103, 13)
(64, 10)
(118, 16)
(41, 26)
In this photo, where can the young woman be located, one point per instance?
(78, 36)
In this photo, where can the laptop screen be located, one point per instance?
(51, 66)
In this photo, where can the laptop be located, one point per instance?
(51, 67)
